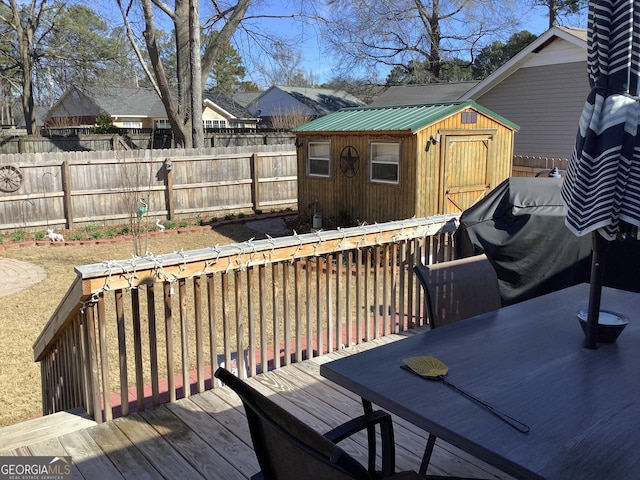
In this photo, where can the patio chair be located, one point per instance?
(288, 449)
(456, 290)
(459, 289)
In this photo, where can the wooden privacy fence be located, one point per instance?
(65, 190)
(125, 326)
(524, 166)
(74, 139)
(70, 189)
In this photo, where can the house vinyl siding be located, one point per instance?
(546, 102)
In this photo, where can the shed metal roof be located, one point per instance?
(400, 118)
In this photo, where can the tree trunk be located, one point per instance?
(172, 108)
(214, 49)
(24, 36)
(436, 36)
(27, 100)
(197, 127)
(553, 13)
(181, 25)
(185, 112)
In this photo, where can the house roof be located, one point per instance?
(117, 102)
(574, 39)
(278, 100)
(431, 92)
(398, 118)
(228, 105)
(131, 102)
(245, 98)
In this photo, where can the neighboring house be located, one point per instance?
(221, 111)
(40, 113)
(431, 92)
(138, 108)
(375, 164)
(543, 89)
(288, 107)
(245, 98)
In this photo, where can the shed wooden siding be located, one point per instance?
(546, 102)
(430, 169)
(420, 190)
(356, 197)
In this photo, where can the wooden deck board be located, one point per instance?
(38, 429)
(89, 457)
(206, 435)
(119, 449)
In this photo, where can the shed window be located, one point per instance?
(385, 162)
(469, 117)
(319, 159)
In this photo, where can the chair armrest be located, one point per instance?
(369, 421)
(357, 424)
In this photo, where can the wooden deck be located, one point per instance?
(206, 435)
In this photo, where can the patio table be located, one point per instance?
(527, 360)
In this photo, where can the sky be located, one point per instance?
(315, 62)
(320, 66)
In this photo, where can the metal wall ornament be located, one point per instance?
(349, 161)
(10, 178)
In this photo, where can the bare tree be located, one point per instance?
(288, 118)
(391, 33)
(45, 48)
(559, 9)
(185, 111)
(284, 67)
(24, 22)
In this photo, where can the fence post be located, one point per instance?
(66, 189)
(253, 167)
(168, 193)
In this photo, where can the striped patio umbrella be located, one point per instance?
(602, 185)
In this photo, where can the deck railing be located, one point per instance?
(153, 329)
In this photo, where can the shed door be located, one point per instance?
(467, 170)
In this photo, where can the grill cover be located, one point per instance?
(520, 226)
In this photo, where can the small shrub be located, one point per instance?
(95, 234)
(183, 224)
(104, 124)
(214, 220)
(124, 231)
(241, 215)
(110, 233)
(229, 216)
(258, 211)
(18, 236)
(169, 225)
(90, 229)
(76, 236)
(199, 222)
(38, 236)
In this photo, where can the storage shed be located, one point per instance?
(376, 164)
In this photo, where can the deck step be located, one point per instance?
(43, 428)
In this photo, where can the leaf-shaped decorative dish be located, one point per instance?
(429, 367)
